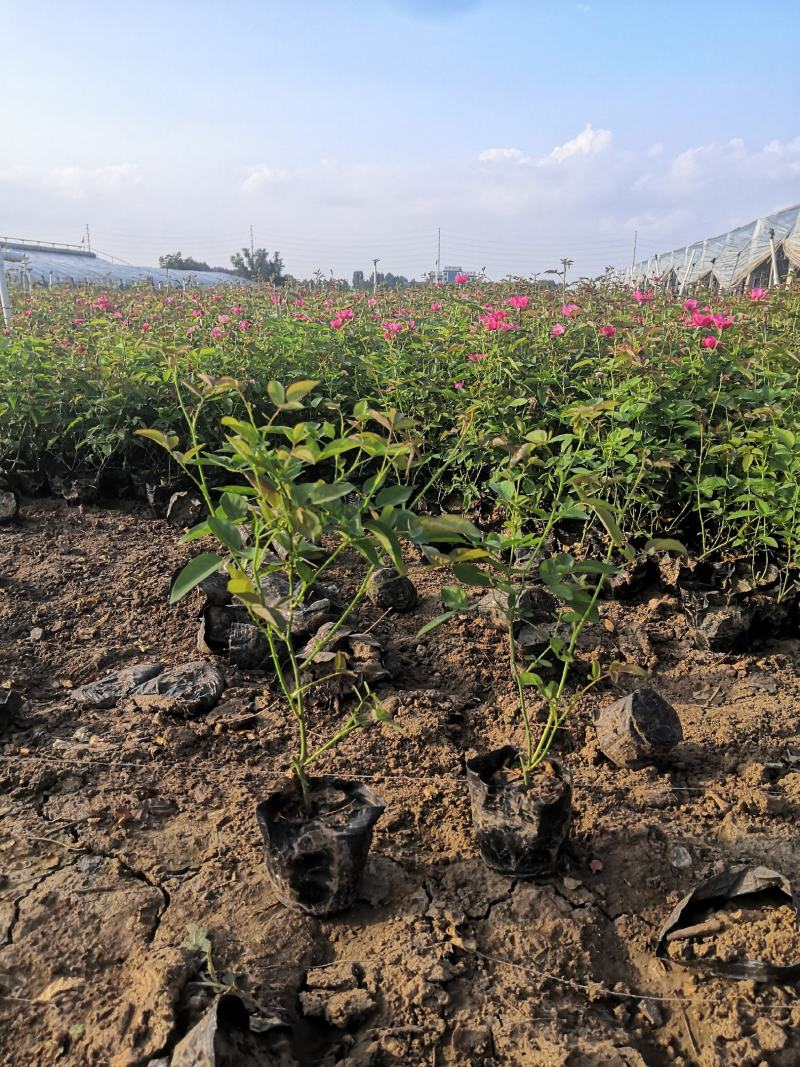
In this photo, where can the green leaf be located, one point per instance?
(169, 443)
(277, 393)
(665, 544)
(454, 598)
(786, 437)
(326, 493)
(193, 574)
(392, 495)
(297, 390)
(469, 574)
(448, 528)
(225, 532)
(435, 622)
(388, 541)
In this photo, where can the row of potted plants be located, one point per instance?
(285, 500)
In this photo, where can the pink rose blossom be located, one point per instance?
(643, 298)
(436, 306)
(243, 324)
(607, 331)
(518, 301)
(197, 313)
(28, 312)
(223, 320)
(461, 278)
(690, 305)
(145, 327)
(458, 385)
(299, 302)
(475, 356)
(710, 342)
(558, 329)
(759, 294)
(569, 310)
(216, 332)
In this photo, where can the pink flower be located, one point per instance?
(197, 313)
(299, 302)
(145, 327)
(223, 320)
(215, 297)
(116, 314)
(690, 305)
(436, 306)
(701, 320)
(710, 342)
(722, 322)
(607, 331)
(643, 298)
(237, 310)
(76, 321)
(569, 310)
(759, 294)
(558, 329)
(243, 324)
(518, 301)
(475, 356)
(216, 332)
(458, 385)
(391, 329)
(347, 313)
(337, 323)
(28, 312)
(371, 301)
(461, 278)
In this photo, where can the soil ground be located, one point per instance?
(121, 830)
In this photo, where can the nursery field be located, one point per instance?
(486, 597)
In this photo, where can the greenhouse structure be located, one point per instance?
(762, 253)
(38, 263)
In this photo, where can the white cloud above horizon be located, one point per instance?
(506, 208)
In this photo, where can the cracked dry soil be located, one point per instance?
(119, 829)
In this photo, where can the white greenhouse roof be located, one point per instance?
(730, 257)
(44, 263)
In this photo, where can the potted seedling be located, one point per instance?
(522, 797)
(317, 487)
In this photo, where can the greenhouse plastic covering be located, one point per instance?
(43, 266)
(730, 258)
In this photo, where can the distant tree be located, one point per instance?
(176, 261)
(258, 266)
(388, 281)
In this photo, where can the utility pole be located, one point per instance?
(252, 243)
(773, 273)
(439, 255)
(635, 238)
(88, 239)
(375, 263)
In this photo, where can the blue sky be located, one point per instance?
(525, 129)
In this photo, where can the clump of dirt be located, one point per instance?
(737, 932)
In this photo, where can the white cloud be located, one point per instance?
(77, 183)
(589, 142)
(263, 175)
(496, 155)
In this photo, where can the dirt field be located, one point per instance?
(121, 831)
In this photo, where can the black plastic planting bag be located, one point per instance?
(315, 862)
(520, 832)
(739, 881)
